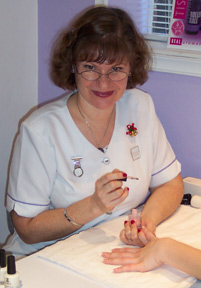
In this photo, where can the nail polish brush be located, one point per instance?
(129, 177)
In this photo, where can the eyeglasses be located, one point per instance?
(95, 75)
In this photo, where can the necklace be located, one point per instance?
(90, 129)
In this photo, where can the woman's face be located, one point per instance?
(103, 92)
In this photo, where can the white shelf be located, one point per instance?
(184, 62)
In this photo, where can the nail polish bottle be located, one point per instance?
(136, 217)
(11, 277)
(192, 24)
(2, 267)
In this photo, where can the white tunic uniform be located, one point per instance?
(41, 174)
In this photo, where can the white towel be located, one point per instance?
(82, 252)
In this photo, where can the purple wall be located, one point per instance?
(52, 16)
(177, 98)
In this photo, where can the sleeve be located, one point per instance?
(165, 164)
(32, 174)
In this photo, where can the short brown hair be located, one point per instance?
(100, 34)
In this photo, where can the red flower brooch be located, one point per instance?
(132, 130)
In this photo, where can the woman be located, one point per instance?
(71, 155)
(156, 253)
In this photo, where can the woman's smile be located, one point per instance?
(102, 94)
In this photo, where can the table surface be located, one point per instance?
(34, 271)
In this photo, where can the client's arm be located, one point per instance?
(155, 253)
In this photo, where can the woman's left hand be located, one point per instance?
(130, 234)
(163, 201)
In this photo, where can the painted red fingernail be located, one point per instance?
(138, 230)
(125, 221)
(132, 221)
(124, 175)
(127, 188)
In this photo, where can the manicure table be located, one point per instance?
(77, 262)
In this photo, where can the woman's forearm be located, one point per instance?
(52, 224)
(164, 200)
(180, 256)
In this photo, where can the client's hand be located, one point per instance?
(136, 259)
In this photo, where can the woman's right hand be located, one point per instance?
(109, 191)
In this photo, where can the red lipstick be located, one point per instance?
(103, 94)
